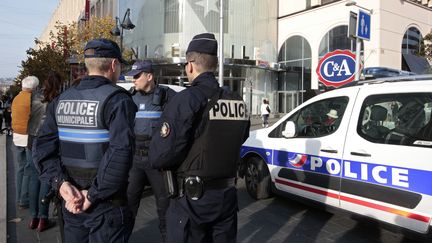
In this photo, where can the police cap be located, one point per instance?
(139, 67)
(203, 43)
(99, 48)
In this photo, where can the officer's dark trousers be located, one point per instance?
(104, 223)
(212, 218)
(139, 176)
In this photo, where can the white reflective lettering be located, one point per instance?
(333, 166)
(72, 109)
(347, 170)
(400, 177)
(66, 107)
(60, 107)
(91, 109)
(82, 108)
(376, 174)
(364, 172)
(229, 110)
(316, 162)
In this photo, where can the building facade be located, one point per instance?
(309, 29)
(69, 11)
(163, 29)
(271, 48)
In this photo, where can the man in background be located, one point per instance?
(21, 107)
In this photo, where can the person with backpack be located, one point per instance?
(265, 112)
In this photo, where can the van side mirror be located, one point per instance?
(290, 130)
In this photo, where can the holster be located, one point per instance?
(170, 182)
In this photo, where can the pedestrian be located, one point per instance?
(200, 134)
(84, 148)
(7, 114)
(37, 189)
(20, 118)
(265, 112)
(150, 99)
(1, 114)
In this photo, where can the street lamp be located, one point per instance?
(354, 3)
(358, 41)
(125, 24)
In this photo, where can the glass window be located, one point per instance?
(403, 119)
(411, 41)
(295, 59)
(335, 39)
(316, 120)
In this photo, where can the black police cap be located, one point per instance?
(139, 67)
(203, 43)
(99, 48)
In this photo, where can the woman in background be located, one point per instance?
(265, 112)
(37, 190)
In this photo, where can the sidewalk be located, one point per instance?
(3, 190)
(256, 121)
(17, 220)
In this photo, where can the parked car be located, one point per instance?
(366, 149)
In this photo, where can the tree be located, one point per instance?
(426, 47)
(66, 43)
(80, 33)
(41, 60)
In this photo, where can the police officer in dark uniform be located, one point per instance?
(201, 132)
(85, 148)
(150, 100)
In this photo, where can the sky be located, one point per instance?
(21, 22)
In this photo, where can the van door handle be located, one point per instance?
(333, 151)
(361, 154)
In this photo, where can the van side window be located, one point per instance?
(317, 119)
(402, 119)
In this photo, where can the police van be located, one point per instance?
(366, 148)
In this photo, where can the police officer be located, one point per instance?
(84, 149)
(201, 132)
(150, 100)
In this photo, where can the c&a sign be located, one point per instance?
(337, 68)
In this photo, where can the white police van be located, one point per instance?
(366, 149)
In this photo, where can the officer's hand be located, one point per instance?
(70, 193)
(73, 207)
(86, 204)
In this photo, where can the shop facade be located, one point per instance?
(307, 30)
(163, 29)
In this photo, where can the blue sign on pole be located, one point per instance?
(363, 25)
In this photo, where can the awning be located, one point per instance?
(416, 64)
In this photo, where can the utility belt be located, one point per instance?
(142, 144)
(193, 186)
(119, 199)
(141, 152)
(82, 178)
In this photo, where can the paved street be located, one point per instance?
(273, 220)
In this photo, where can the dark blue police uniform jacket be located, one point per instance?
(111, 178)
(168, 151)
(147, 119)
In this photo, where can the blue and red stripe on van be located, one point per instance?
(402, 192)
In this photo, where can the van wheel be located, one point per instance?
(257, 178)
